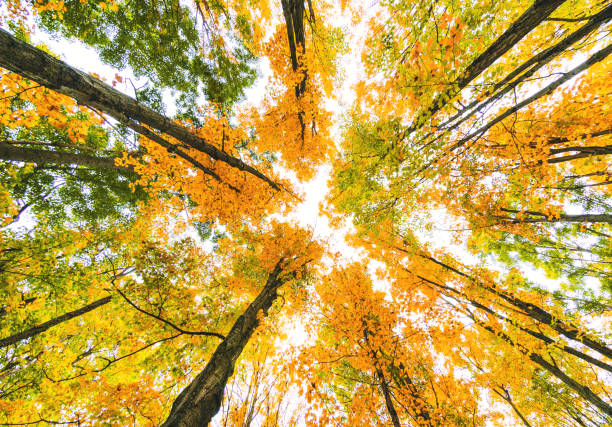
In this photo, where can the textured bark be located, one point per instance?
(293, 11)
(34, 64)
(527, 309)
(530, 19)
(31, 155)
(529, 67)
(507, 398)
(547, 90)
(546, 339)
(388, 400)
(536, 313)
(583, 152)
(198, 403)
(384, 385)
(534, 217)
(13, 339)
(594, 150)
(583, 391)
(556, 140)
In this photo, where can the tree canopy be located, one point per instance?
(160, 261)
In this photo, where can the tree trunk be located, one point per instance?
(13, 339)
(546, 90)
(583, 152)
(384, 386)
(536, 313)
(507, 398)
(528, 68)
(546, 339)
(293, 11)
(583, 391)
(198, 403)
(541, 217)
(530, 19)
(31, 155)
(388, 400)
(34, 64)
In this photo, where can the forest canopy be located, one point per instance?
(306, 212)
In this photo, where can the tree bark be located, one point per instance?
(546, 339)
(34, 64)
(388, 400)
(535, 312)
(198, 403)
(14, 339)
(541, 217)
(531, 18)
(293, 11)
(384, 386)
(547, 90)
(31, 155)
(528, 68)
(583, 391)
(583, 152)
(507, 398)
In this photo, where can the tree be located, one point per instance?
(370, 365)
(162, 42)
(150, 271)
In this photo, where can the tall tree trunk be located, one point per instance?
(293, 11)
(13, 339)
(31, 155)
(34, 64)
(546, 90)
(583, 152)
(388, 400)
(384, 385)
(418, 410)
(546, 339)
(534, 217)
(583, 391)
(531, 18)
(535, 312)
(507, 398)
(528, 68)
(198, 403)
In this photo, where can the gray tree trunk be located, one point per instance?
(31, 155)
(14, 339)
(34, 64)
(531, 18)
(200, 401)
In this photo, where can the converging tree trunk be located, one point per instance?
(536, 313)
(531, 18)
(583, 391)
(527, 69)
(34, 64)
(452, 292)
(534, 217)
(198, 403)
(293, 11)
(14, 339)
(528, 309)
(32, 155)
(546, 90)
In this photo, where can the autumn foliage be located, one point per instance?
(156, 264)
